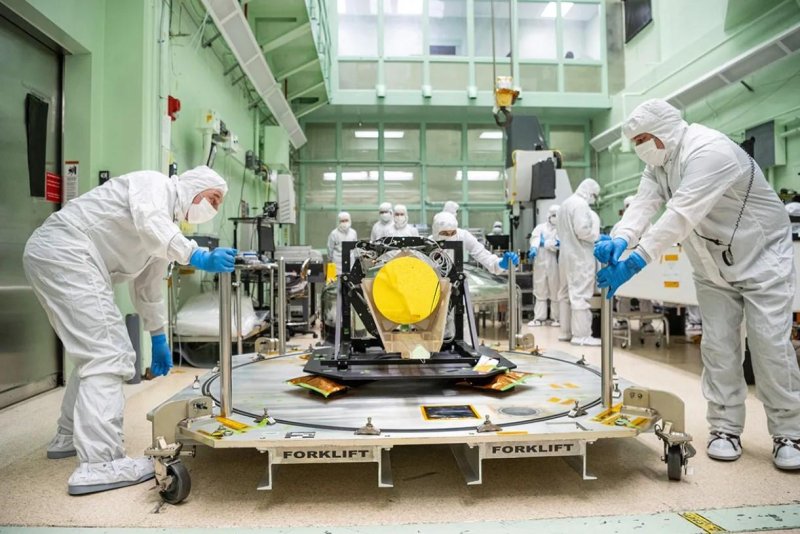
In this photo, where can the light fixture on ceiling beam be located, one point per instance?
(232, 24)
(549, 11)
(373, 134)
(489, 134)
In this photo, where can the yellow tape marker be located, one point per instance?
(555, 386)
(567, 401)
(670, 257)
(553, 399)
(230, 423)
(512, 432)
(672, 284)
(570, 385)
(700, 521)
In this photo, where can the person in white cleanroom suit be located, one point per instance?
(624, 303)
(578, 228)
(124, 230)
(736, 234)
(445, 228)
(451, 207)
(383, 223)
(342, 232)
(497, 228)
(544, 253)
(401, 228)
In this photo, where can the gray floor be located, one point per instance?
(428, 487)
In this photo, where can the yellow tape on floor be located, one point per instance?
(700, 521)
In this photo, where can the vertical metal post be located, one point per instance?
(512, 306)
(282, 305)
(225, 360)
(238, 310)
(272, 303)
(606, 349)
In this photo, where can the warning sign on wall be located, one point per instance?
(71, 173)
(52, 187)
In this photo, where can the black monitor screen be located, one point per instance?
(498, 242)
(638, 14)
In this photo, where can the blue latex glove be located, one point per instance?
(219, 260)
(532, 253)
(614, 276)
(608, 251)
(162, 356)
(512, 256)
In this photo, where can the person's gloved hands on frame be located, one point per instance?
(509, 256)
(608, 250)
(532, 253)
(219, 260)
(613, 276)
(161, 356)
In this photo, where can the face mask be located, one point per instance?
(400, 220)
(651, 154)
(444, 237)
(201, 212)
(344, 226)
(386, 216)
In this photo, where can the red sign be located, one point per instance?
(52, 187)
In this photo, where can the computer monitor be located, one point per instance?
(498, 242)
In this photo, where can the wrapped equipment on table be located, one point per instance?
(199, 316)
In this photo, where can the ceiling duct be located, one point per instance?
(760, 56)
(233, 26)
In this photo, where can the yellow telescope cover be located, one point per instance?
(406, 290)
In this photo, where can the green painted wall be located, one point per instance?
(113, 103)
(687, 40)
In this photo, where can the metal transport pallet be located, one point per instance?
(560, 412)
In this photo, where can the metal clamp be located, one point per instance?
(488, 426)
(369, 429)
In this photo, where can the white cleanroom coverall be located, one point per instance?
(401, 228)
(445, 221)
(578, 228)
(124, 230)
(342, 232)
(383, 224)
(544, 239)
(704, 182)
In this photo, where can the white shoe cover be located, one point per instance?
(61, 446)
(786, 453)
(555, 323)
(586, 341)
(94, 477)
(535, 322)
(725, 447)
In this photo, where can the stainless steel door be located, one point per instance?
(30, 359)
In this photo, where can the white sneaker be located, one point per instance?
(555, 323)
(61, 446)
(786, 453)
(535, 322)
(585, 341)
(103, 476)
(725, 447)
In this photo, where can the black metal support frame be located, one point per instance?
(350, 358)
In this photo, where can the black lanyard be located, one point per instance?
(727, 255)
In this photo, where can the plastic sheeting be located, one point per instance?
(200, 316)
